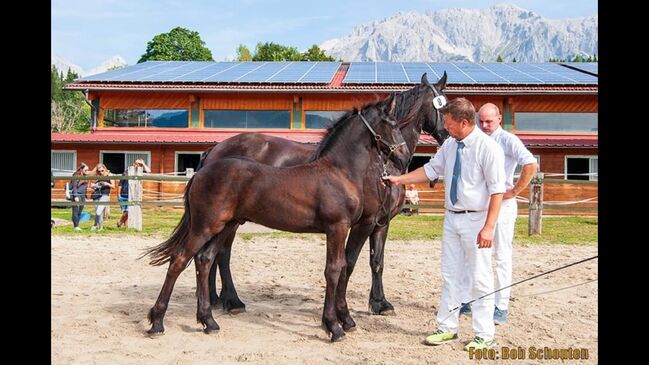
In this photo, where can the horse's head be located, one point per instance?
(434, 122)
(381, 123)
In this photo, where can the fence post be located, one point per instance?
(536, 205)
(189, 172)
(135, 194)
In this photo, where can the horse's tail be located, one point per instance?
(202, 159)
(163, 252)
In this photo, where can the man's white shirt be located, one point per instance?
(515, 153)
(482, 173)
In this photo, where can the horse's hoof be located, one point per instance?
(210, 325)
(208, 330)
(233, 306)
(381, 307)
(337, 334)
(237, 310)
(154, 333)
(348, 324)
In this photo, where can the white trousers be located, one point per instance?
(459, 251)
(503, 237)
(502, 249)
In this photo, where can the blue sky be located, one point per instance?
(88, 32)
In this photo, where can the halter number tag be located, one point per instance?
(439, 102)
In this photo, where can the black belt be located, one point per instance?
(462, 211)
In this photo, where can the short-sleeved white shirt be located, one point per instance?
(515, 153)
(482, 173)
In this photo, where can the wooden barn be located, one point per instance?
(168, 112)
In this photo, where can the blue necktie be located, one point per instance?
(456, 172)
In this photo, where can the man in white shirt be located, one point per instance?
(515, 153)
(473, 166)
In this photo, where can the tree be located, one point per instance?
(579, 58)
(243, 53)
(271, 51)
(69, 110)
(179, 44)
(316, 54)
(499, 59)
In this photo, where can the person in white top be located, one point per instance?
(412, 198)
(515, 154)
(473, 166)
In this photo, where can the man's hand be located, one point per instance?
(485, 237)
(393, 179)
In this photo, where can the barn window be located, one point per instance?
(321, 119)
(557, 122)
(63, 163)
(118, 161)
(166, 118)
(185, 160)
(581, 168)
(247, 119)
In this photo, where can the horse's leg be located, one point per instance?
(203, 261)
(177, 264)
(214, 297)
(334, 267)
(357, 236)
(378, 303)
(229, 297)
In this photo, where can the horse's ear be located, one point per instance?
(424, 79)
(441, 84)
(390, 103)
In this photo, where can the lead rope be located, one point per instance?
(385, 202)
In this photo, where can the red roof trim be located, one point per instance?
(333, 87)
(197, 136)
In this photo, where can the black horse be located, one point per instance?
(235, 190)
(415, 109)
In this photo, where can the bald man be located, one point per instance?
(515, 154)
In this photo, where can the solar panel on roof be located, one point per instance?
(361, 73)
(203, 73)
(122, 72)
(415, 70)
(292, 73)
(235, 72)
(586, 66)
(322, 72)
(391, 73)
(262, 73)
(357, 73)
(170, 73)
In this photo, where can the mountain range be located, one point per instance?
(474, 35)
(63, 65)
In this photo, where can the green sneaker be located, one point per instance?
(479, 343)
(439, 337)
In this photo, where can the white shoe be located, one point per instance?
(77, 228)
(93, 228)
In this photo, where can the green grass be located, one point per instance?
(161, 221)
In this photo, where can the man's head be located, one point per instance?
(459, 116)
(139, 162)
(490, 118)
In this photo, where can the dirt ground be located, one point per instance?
(101, 295)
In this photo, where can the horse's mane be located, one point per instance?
(409, 104)
(332, 134)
